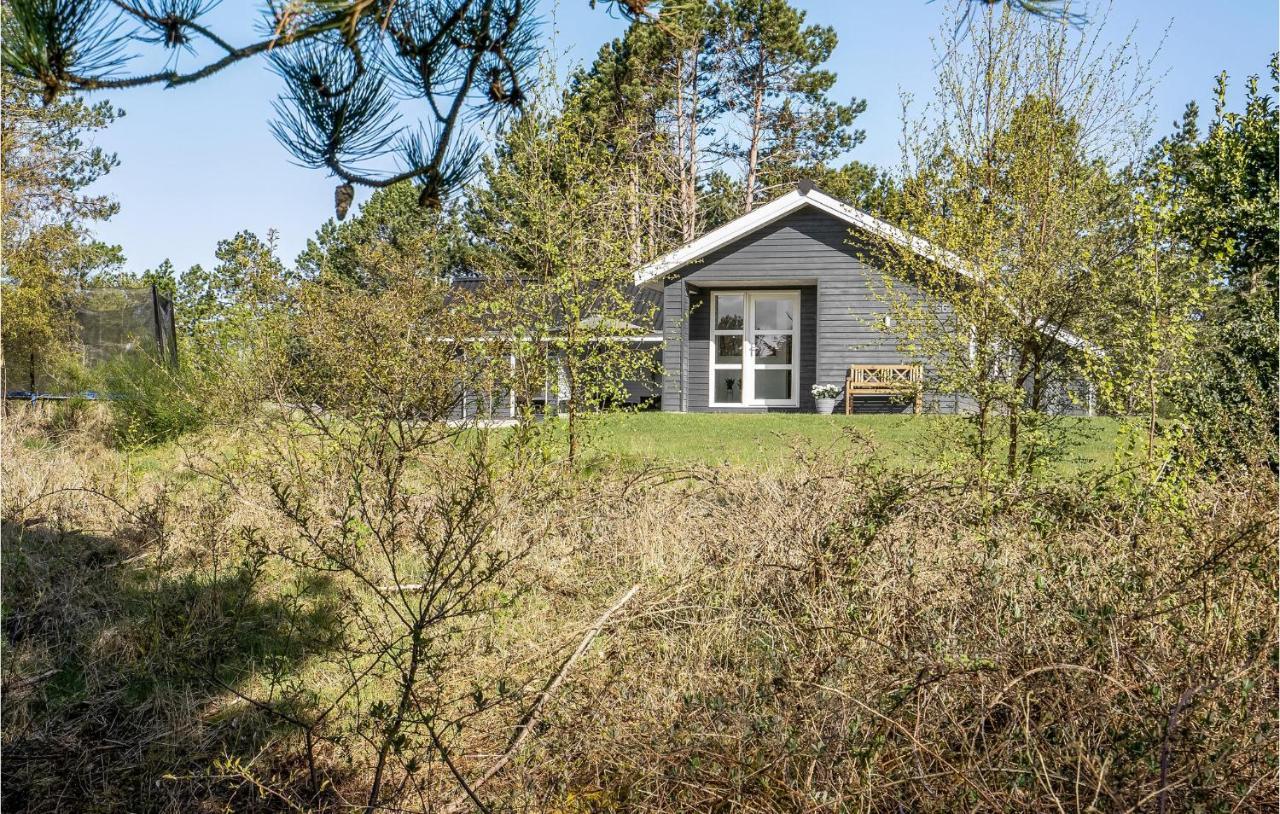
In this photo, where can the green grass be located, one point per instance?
(767, 440)
(759, 441)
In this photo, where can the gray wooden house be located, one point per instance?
(753, 314)
(759, 310)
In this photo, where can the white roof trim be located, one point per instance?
(808, 196)
(722, 236)
(779, 208)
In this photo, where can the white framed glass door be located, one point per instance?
(755, 348)
(728, 348)
(771, 347)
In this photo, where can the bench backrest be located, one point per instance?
(884, 377)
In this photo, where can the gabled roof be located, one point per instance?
(804, 195)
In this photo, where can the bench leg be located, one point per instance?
(919, 400)
(848, 402)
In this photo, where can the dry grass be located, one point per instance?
(824, 637)
(844, 641)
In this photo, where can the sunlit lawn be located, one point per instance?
(758, 441)
(768, 440)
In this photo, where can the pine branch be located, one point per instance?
(345, 64)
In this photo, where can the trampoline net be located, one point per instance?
(113, 321)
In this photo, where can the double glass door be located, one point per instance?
(754, 347)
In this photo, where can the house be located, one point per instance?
(753, 314)
(759, 310)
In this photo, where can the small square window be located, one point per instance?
(774, 314)
(773, 349)
(729, 312)
(728, 350)
(773, 384)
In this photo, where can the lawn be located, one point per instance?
(764, 440)
(767, 440)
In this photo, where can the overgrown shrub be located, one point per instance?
(150, 402)
(1231, 406)
(67, 417)
(841, 638)
(830, 637)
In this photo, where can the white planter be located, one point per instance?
(826, 406)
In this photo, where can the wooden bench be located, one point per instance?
(883, 380)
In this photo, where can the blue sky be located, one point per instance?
(198, 164)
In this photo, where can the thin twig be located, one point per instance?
(526, 724)
(28, 681)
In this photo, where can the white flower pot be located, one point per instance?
(826, 406)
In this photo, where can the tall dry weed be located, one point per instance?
(834, 636)
(841, 638)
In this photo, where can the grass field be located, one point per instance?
(761, 441)
(767, 440)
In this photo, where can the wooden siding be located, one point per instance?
(675, 335)
(841, 313)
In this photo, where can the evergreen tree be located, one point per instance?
(345, 66)
(775, 92)
(635, 96)
(702, 97)
(392, 222)
(47, 163)
(164, 277)
(220, 308)
(1226, 187)
(348, 66)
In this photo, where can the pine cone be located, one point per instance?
(342, 198)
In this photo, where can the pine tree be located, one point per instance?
(345, 67)
(775, 91)
(47, 163)
(391, 221)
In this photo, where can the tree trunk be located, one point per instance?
(573, 407)
(1035, 402)
(984, 428)
(691, 226)
(753, 148)
(1011, 464)
(1151, 420)
(1015, 414)
(637, 246)
(683, 150)
(402, 710)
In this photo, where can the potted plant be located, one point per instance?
(825, 395)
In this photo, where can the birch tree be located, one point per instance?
(1154, 296)
(1012, 179)
(551, 227)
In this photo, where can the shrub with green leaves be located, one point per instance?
(150, 402)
